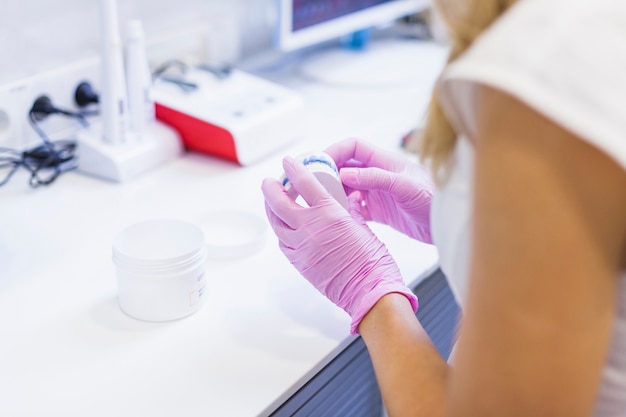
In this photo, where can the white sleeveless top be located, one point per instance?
(567, 60)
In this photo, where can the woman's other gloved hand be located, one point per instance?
(394, 190)
(334, 249)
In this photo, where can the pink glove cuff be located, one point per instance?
(371, 298)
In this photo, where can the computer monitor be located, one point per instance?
(308, 22)
(385, 61)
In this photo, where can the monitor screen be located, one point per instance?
(307, 22)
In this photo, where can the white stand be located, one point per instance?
(122, 162)
(385, 63)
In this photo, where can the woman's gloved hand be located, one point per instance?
(394, 190)
(333, 249)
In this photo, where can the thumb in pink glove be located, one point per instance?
(332, 248)
(394, 190)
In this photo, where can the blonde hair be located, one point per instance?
(465, 20)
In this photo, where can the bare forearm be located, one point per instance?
(410, 371)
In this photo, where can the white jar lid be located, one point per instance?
(158, 241)
(232, 234)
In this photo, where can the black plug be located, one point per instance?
(42, 108)
(84, 95)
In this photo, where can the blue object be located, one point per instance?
(319, 159)
(358, 40)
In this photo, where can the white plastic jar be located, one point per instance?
(160, 268)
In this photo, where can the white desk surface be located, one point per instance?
(68, 350)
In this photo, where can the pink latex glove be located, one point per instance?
(333, 249)
(394, 190)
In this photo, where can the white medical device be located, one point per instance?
(239, 117)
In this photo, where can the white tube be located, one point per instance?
(113, 102)
(140, 104)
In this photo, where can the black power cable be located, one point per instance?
(50, 159)
(161, 73)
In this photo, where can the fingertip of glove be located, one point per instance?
(355, 197)
(266, 181)
(267, 184)
(289, 164)
(349, 176)
(355, 205)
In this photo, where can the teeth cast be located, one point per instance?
(312, 160)
(321, 160)
(325, 170)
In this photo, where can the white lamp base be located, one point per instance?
(122, 162)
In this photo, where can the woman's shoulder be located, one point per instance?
(547, 35)
(539, 25)
(563, 58)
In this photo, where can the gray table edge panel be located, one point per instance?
(347, 386)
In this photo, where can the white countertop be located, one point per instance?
(68, 350)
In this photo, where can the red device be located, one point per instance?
(240, 118)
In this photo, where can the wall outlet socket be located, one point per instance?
(12, 118)
(59, 85)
